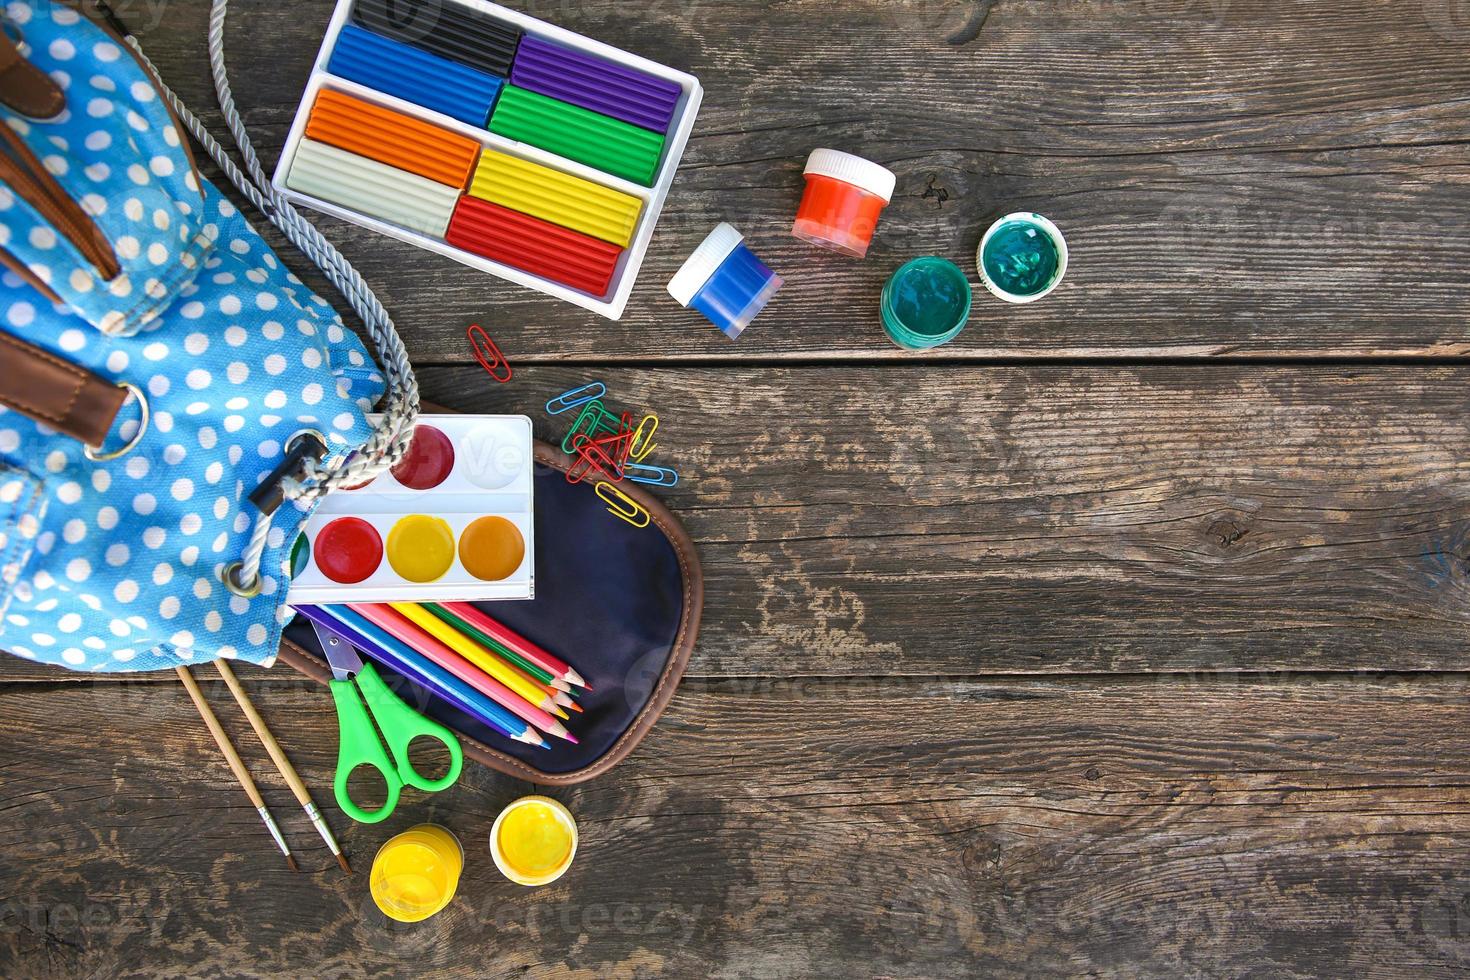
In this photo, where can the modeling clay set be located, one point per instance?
(502, 141)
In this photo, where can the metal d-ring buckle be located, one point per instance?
(97, 455)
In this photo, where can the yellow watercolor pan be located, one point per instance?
(559, 198)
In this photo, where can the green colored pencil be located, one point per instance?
(541, 674)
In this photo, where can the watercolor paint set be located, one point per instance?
(504, 142)
(452, 522)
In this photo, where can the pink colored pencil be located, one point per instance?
(383, 616)
(512, 640)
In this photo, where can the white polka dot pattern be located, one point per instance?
(115, 566)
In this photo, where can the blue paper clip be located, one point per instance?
(576, 398)
(623, 506)
(653, 476)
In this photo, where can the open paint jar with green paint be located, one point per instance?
(926, 303)
(1022, 258)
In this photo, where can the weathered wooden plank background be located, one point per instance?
(1237, 177)
(769, 828)
(1117, 663)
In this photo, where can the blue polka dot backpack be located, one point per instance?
(173, 401)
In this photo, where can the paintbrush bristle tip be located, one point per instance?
(343, 861)
(291, 863)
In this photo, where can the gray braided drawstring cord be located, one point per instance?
(388, 443)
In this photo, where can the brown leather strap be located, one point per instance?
(22, 270)
(47, 389)
(24, 88)
(24, 173)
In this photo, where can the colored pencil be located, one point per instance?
(381, 615)
(383, 648)
(237, 765)
(506, 674)
(511, 640)
(559, 691)
(538, 674)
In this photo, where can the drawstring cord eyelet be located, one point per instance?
(303, 450)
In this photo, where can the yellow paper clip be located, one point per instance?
(623, 506)
(643, 443)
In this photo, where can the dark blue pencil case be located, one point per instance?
(620, 604)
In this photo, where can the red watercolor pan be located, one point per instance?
(348, 550)
(429, 462)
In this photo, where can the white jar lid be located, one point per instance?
(849, 169)
(704, 262)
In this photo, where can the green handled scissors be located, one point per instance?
(358, 741)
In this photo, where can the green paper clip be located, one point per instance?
(592, 421)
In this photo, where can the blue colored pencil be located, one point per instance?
(400, 658)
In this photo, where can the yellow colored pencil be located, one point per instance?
(476, 654)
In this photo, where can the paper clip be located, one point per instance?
(488, 354)
(587, 453)
(615, 447)
(621, 443)
(643, 443)
(576, 398)
(623, 506)
(594, 419)
(653, 476)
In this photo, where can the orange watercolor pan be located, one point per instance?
(392, 138)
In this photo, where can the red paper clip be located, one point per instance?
(488, 354)
(618, 446)
(588, 453)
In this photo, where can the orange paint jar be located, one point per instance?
(845, 195)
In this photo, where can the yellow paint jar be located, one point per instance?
(416, 873)
(534, 840)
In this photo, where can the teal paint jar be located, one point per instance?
(1022, 257)
(926, 303)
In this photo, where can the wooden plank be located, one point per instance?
(959, 521)
(946, 829)
(1241, 177)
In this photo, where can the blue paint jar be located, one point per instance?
(725, 281)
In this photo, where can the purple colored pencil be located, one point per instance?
(593, 83)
